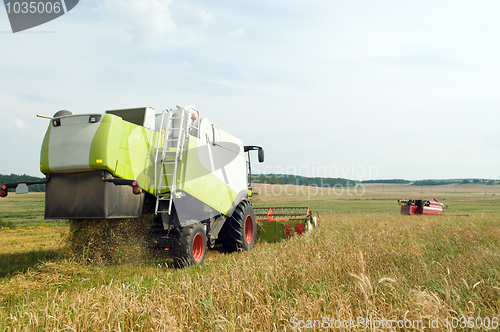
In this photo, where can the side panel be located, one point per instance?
(103, 153)
(230, 167)
(69, 144)
(44, 152)
(85, 195)
(80, 146)
(221, 188)
(136, 155)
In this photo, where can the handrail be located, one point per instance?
(157, 150)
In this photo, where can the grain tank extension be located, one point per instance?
(177, 166)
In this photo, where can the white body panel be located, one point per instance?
(234, 173)
(69, 148)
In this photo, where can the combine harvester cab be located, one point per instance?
(421, 206)
(183, 170)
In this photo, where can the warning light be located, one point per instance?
(194, 116)
(134, 183)
(4, 192)
(136, 190)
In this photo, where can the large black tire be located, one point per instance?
(240, 230)
(190, 246)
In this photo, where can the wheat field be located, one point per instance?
(365, 268)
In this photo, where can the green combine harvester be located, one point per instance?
(179, 167)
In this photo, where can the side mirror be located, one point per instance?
(22, 188)
(261, 155)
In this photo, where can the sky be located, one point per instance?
(352, 89)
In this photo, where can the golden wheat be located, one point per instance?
(370, 266)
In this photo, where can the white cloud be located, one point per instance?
(206, 18)
(151, 19)
(237, 33)
(18, 123)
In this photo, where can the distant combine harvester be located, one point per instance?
(421, 206)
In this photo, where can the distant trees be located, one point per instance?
(330, 182)
(443, 182)
(430, 183)
(301, 180)
(398, 181)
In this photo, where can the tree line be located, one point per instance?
(444, 182)
(301, 180)
(398, 181)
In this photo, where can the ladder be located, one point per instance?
(171, 146)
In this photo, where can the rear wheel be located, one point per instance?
(240, 231)
(190, 246)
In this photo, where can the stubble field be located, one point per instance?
(365, 268)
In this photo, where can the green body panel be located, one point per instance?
(274, 231)
(44, 153)
(136, 155)
(124, 149)
(103, 152)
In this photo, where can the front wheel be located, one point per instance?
(240, 230)
(190, 246)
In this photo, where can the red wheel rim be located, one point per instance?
(249, 229)
(198, 248)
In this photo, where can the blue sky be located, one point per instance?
(356, 89)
